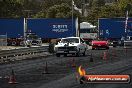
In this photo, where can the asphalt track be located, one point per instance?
(61, 73)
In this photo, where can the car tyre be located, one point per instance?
(28, 46)
(93, 48)
(84, 53)
(65, 55)
(78, 53)
(107, 47)
(58, 55)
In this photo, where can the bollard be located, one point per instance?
(45, 69)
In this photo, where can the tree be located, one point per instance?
(122, 6)
(10, 8)
(62, 8)
(58, 11)
(16, 8)
(39, 15)
(98, 3)
(60, 15)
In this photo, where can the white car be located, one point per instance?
(32, 39)
(71, 45)
(128, 42)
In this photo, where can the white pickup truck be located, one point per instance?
(71, 45)
(128, 42)
(32, 39)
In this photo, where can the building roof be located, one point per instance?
(86, 25)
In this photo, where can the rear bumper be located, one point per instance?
(100, 46)
(66, 52)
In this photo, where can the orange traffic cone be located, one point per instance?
(12, 78)
(73, 64)
(45, 69)
(105, 56)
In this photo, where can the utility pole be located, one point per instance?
(83, 7)
(25, 27)
(126, 24)
(128, 7)
(72, 15)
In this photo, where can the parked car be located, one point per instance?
(128, 42)
(96, 44)
(32, 39)
(71, 45)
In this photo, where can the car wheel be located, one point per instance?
(93, 48)
(84, 53)
(114, 45)
(73, 54)
(13, 43)
(28, 46)
(65, 55)
(58, 55)
(78, 53)
(107, 47)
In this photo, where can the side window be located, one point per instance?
(81, 41)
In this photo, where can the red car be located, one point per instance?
(96, 44)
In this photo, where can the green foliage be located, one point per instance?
(117, 9)
(98, 3)
(63, 9)
(60, 11)
(10, 8)
(60, 15)
(39, 15)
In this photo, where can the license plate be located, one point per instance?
(99, 45)
(65, 51)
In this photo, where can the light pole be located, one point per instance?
(83, 7)
(126, 24)
(28, 12)
(128, 7)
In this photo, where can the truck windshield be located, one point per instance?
(70, 40)
(32, 36)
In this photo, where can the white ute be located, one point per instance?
(128, 42)
(71, 45)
